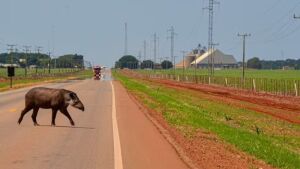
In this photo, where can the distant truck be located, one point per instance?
(97, 72)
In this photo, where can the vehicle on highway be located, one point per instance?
(97, 72)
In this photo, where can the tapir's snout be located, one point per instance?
(82, 109)
(79, 106)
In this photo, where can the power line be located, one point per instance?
(244, 49)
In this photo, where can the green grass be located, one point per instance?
(282, 82)
(20, 72)
(249, 73)
(277, 142)
(20, 81)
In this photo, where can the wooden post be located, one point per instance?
(296, 89)
(254, 85)
(226, 81)
(209, 80)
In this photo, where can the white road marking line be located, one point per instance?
(117, 145)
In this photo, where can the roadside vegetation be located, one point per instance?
(274, 141)
(249, 73)
(56, 75)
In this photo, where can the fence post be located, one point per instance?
(254, 85)
(296, 89)
(178, 78)
(209, 80)
(226, 81)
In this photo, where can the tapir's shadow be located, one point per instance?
(75, 127)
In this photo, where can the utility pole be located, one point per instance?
(210, 9)
(49, 62)
(26, 49)
(145, 50)
(154, 48)
(213, 58)
(244, 50)
(126, 41)
(172, 37)
(38, 50)
(158, 55)
(183, 61)
(11, 49)
(139, 57)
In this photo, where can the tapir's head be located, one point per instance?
(75, 102)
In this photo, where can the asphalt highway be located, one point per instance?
(112, 133)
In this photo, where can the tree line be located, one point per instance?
(256, 63)
(130, 62)
(42, 60)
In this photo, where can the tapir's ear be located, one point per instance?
(73, 96)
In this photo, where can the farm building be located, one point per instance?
(202, 59)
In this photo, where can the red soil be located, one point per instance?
(282, 107)
(204, 150)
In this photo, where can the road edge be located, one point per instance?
(118, 163)
(163, 131)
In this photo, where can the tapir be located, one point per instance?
(49, 98)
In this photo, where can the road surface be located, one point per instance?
(112, 133)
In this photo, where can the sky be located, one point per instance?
(95, 28)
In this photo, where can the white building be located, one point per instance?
(202, 60)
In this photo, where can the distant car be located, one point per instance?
(97, 72)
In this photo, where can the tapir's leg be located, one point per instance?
(26, 110)
(66, 113)
(34, 114)
(54, 112)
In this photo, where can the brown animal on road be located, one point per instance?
(48, 98)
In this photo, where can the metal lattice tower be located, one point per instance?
(172, 37)
(126, 41)
(145, 50)
(210, 9)
(154, 48)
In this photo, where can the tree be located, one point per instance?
(254, 63)
(166, 64)
(127, 61)
(147, 64)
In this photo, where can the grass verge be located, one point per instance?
(23, 82)
(275, 142)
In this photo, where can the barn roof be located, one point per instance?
(218, 56)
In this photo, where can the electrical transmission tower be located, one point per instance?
(244, 50)
(155, 39)
(11, 50)
(126, 40)
(210, 9)
(26, 49)
(145, 49)
(172, 37)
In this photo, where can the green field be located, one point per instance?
(249, 73)
(20, 72)
(57, 75)
(275, 142)
(279, 82)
